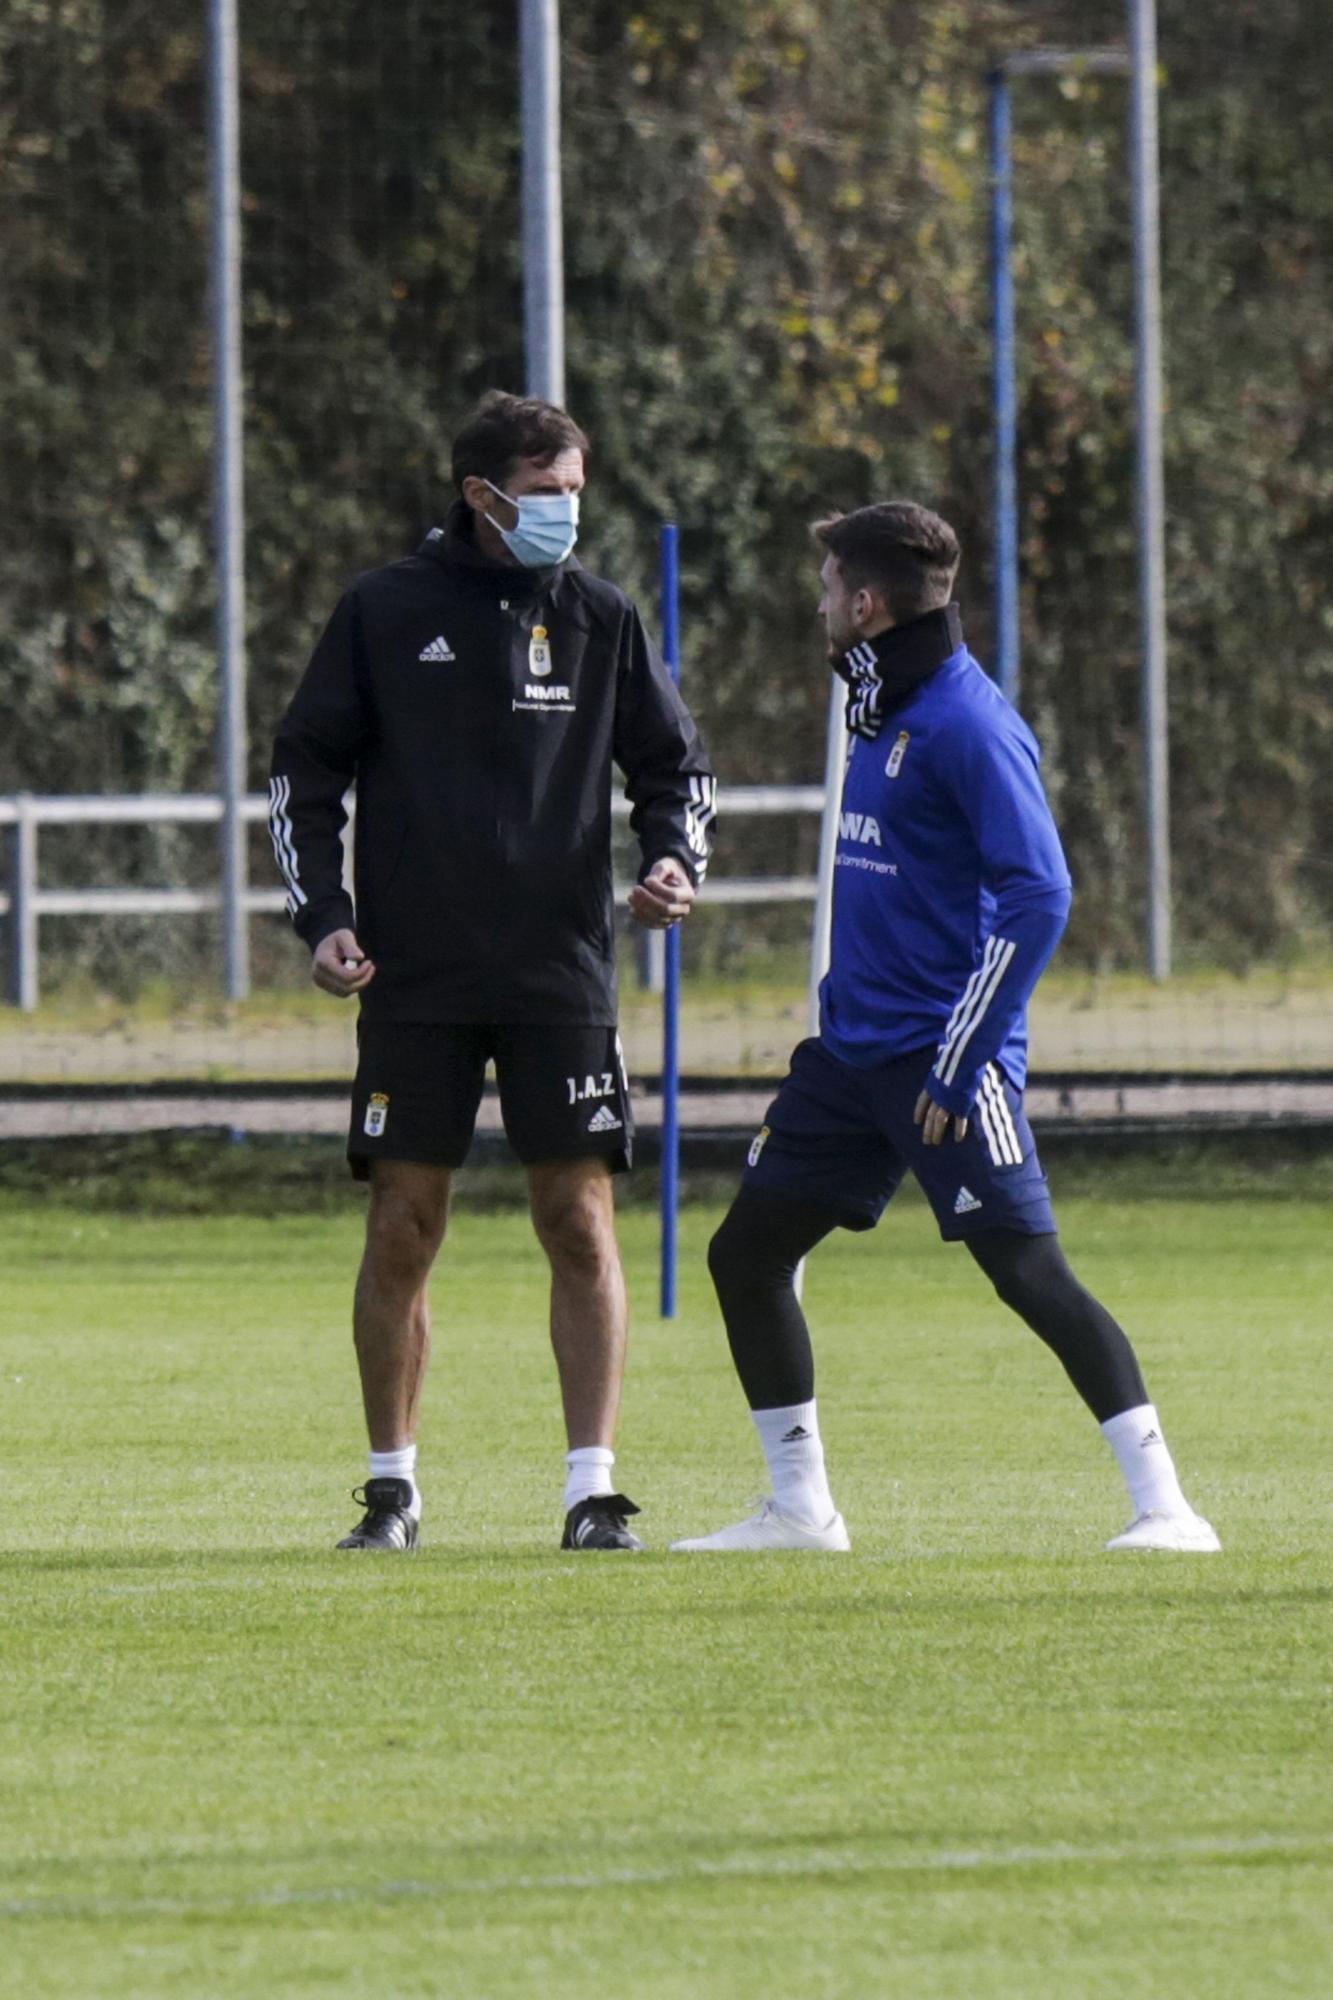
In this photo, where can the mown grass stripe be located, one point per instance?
(743, 1867)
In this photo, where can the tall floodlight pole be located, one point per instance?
(1141, 65)
(1006, 389)
(228, 479)
(1151, 502)
(543, 233)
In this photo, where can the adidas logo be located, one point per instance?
(795, 1434)
(966, 1202)
(438, 649)
(1149, 1437)
(604, 1120)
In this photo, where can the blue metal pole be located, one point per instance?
(1006, 392)
(671, 983)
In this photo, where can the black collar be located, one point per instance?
(883, 671)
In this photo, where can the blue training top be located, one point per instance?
(951, 888)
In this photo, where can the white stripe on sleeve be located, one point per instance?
(284, 841)
(969, 992)
(699, 814)
(961, 1035)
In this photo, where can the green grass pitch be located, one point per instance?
(975, 1760)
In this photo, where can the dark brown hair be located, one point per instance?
(504, 428)
(906, 553)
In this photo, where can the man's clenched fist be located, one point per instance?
(340, 966)
(663, 897)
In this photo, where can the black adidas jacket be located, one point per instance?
(478, 708)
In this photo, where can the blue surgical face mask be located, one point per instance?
(548, 527)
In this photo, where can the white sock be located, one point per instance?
(399, 1465)
(589, 1473)
(790, 1437)
(1135, 1436)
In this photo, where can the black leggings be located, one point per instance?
(753, 1259)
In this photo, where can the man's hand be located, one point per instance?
(663, 897)
(937, 1121)
(340, 966)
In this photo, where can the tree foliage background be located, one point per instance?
(776, 232)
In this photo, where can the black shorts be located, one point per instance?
(564, 1094)
(842, 1138)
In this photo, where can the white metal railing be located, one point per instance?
(26, 902)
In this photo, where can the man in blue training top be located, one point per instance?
(951, 894)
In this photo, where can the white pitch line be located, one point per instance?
(739, 1867)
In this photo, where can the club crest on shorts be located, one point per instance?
(539, 651)
(377, 1114)
(896, 755)
(757, 1146)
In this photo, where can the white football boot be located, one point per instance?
(1185, 1534)
(770, 1528)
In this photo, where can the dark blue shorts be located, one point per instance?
(842, 1139)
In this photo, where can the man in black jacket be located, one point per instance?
(477, 694)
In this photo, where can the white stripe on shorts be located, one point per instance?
(992, 1091)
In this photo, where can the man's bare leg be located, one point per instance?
(573, 1212)
(409, 1207)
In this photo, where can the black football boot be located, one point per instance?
(387, 1523)
(599, 1523)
